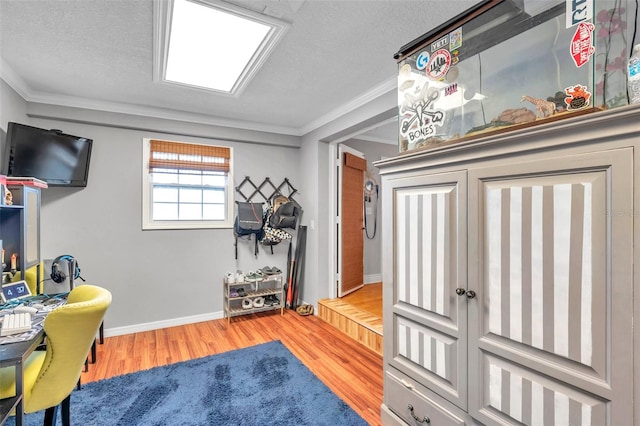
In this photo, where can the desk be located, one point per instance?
(15, 350)
(15, 354)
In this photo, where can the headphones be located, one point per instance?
(59, 276)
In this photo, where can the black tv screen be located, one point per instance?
(49, 155)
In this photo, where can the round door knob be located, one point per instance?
(471, 294)
(461, 291)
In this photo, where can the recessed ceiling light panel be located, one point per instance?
(211, 45)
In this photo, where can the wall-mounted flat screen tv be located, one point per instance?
(49, 155)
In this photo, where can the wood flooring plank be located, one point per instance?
(350, 370)
(368, 298)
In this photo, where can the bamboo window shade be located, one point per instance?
(178, 155)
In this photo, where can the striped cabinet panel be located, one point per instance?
(540, 267)
(424, 240)
(428, 318)
(536, 400)
(427, 348)
(553, 277)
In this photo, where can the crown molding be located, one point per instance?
(14, 80)
(19, 85)
(22, 88)
(162, 113)
(376, 140)
(363, 99)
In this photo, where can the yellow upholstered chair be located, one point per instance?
(30, 278)
(50, 375)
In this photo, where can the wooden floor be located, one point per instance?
(358, 315)
(350, 370)
(368, 298)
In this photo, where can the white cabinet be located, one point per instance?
(508, 277)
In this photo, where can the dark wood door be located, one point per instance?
(352, 221)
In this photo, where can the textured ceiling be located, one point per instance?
(100, 53)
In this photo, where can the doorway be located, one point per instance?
(370, 203)
(359, 313)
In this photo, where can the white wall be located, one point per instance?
(313, 271)
(316, 162)
(162, 277)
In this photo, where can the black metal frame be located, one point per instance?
(264, 185)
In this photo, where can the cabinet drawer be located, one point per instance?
(402, 393)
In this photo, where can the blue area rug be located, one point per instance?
(261, 385)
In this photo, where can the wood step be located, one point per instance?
(357, 323)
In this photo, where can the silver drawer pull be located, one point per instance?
(406, 384)
(425, 419)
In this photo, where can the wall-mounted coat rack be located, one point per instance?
(266, 190)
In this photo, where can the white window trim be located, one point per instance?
(148, 224)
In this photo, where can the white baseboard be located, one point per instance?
(147, 326)
(370, 279)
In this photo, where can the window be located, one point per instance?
(186, 186)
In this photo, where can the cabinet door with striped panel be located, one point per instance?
(428, 319)
(553, 278)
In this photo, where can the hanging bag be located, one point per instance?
(285, 215)
(249, 221)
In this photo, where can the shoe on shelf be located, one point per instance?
(239, 276)
(254, 276)
(271, 300)
(270, 270)
(241, 292)
(258, 302)
(230, 278)
(233, 293)
(246, 304)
